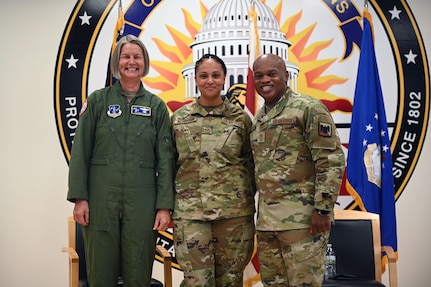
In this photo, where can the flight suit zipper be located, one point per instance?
(121, 209)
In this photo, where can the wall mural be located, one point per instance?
(323, 42)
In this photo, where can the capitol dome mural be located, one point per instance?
(225, 33)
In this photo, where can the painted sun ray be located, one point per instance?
(191, 25)
(311, 80)
(204, 10)
(158, 83)
(170, 51)
(166, 70)
(277, 11)
(301, 39)
(183, 41)
(316, 68)
(312, 52)
(289, 26)
(324, 83)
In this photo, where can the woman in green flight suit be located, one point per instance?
(121, 172)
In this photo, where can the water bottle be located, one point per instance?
(330, 263)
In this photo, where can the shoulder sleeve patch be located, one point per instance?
(83, 108)
(325, 129)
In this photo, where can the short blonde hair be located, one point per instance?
(115, 58)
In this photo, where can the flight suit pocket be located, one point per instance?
(99, 161)
(101, 228)
(146, 164)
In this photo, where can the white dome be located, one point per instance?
(225, 32)
(234, 14)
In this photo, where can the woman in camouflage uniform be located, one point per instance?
(214, 204)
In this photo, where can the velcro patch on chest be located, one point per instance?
(114, 111)
(141, 111)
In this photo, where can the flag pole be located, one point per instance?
(376, 194)
(367, 15)
(251, 98)
(118, 33)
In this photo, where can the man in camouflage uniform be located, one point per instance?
(299, 168)
(214, 204)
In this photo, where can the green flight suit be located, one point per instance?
(122, 162)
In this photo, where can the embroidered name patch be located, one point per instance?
(141, 111)
(325, 130)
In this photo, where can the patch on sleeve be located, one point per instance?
(325, 129)
(83, 108)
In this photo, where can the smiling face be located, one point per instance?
(210, 79)
(131, 62)
(270, 78)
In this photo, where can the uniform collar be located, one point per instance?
(142, 91)
(222, 110)
(277, 109)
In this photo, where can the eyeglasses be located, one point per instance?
(130, 57)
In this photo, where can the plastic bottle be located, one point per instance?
(330, 263)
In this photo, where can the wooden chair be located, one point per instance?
(77, 272)
(357, 245)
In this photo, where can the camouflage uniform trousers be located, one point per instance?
(292, 258)
(214, 253)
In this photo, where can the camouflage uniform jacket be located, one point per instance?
(214, 177)
(299, 162)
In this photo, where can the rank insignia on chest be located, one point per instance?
(325, 129)
(141, 111)
(114, 111)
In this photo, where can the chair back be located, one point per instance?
(79, 247)
(355, 238)
(352, 241)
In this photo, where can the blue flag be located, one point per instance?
(369, 162)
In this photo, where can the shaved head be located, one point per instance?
(272, 59)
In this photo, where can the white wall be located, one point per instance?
(33, 171)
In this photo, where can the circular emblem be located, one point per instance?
(325, 40)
